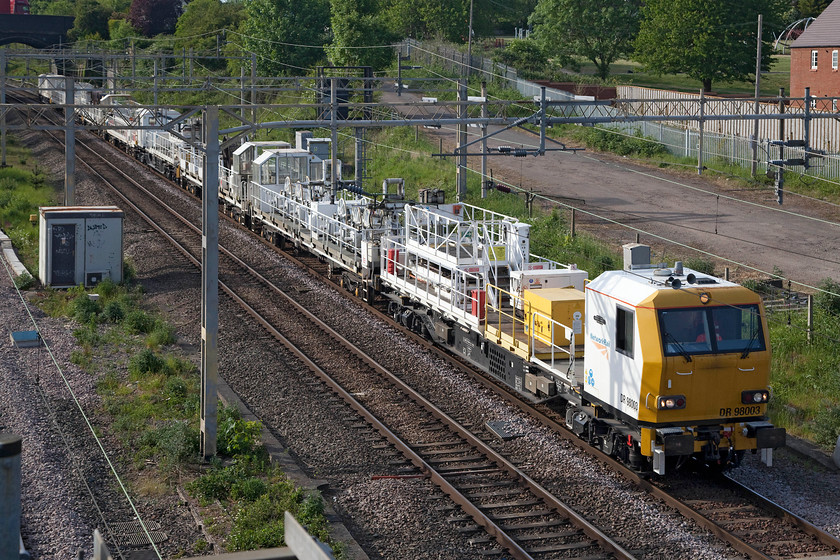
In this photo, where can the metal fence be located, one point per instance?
(455, 61)
(726, 140)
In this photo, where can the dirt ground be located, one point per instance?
(676, 212)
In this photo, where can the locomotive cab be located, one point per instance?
(684, 359)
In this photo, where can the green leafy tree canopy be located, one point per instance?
(433, 19)
(359, 35)
(91, 21)
(202, 24)
(709, 40)
(286, 35)
(600, 31)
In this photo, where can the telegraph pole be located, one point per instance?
(757, 93)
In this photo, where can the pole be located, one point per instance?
(484, 115)
(155, 86)
(806, 125)
(334, 135)
(254, 87)
(810, 316)
(462, 139)
(210, 284)
(242, 90)
(399, 73)
(757, 94)
(469, 44)
(10, 447)
(3, 108)
(780, 174)
(700, 138)
(69, 144)
(572, 225)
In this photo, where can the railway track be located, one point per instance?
(753, 526)
(515, 514)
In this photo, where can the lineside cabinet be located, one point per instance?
(80, 245)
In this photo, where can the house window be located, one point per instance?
(814, 60)
(834, 60)
(624, 331)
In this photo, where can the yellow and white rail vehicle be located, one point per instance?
(653, 365)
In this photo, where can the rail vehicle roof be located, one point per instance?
(117, 99)
(264, 145)
(635, 286)
(266, 155)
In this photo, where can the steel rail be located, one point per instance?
(469, 507)
(737, 543)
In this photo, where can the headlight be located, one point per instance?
(670, 403)
(755, 397)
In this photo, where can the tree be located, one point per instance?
(526, 56)
(91, 21)
(153, 17)
(121, 32)
(200, 25)
(430, 19)
(287, 35)
(601, 31)
(811, 8)
(359, 35)
(709, 40)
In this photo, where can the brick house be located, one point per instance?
(815, 57)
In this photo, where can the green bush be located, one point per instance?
(145, 361)
(248, 489)
(138, 322)
(178, 442)
(113, 312)
(214, 485)
(175, 388)
(700, 264)
(24, 281)
(129, 273)
(619, 143)
(236, 436)
(84, 309)
(88, 336)
(162, 334)
(827, 298)
(107, 289)
(827, 426)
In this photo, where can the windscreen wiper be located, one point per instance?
(746, 351)
(683, 352)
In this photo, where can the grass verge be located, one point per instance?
(150, 404)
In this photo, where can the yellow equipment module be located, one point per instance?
(548, 306)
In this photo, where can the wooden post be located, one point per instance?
(572, 228)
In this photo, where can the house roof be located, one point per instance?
(823, 31)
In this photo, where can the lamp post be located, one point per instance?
(469, 44)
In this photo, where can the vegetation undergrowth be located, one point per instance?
(151, 400)
(24, 187)
(806, 375)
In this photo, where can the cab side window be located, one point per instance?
(624, 331)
